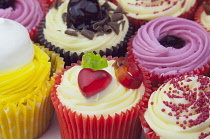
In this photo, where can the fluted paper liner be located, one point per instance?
(30, 117)
(156, 79)
(73, 125)
(197, 16)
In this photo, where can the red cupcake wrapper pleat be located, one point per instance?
(157, 80)
(125, 125)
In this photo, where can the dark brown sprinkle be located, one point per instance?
(57, 4)
(64, 17)
(88, 34)
(206, 7)
(115, 27)
(72, 33)
(116, 17)
(107, 29)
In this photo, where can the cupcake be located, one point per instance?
(98, 98)
(26, 79)
(72, 29)
(29, 13)
(202, 15)
(171, 46)
(179, 109)
(141, 11)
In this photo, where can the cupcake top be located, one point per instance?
(179, 109)
(87, 25)
(152, 9)
(16, 48)
(171, 45)
(24, 68)
(26, 12)
(202, 15)
(112, 87)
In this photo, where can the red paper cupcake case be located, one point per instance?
(157, 80)
(45, 4)
(197, 17)
(125, 125)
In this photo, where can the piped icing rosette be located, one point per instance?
(71, 35)
(108, 93)
(169, 46)
(29, 13)
(141, 11)
(25, 85)
(179, 109)
(202, 15)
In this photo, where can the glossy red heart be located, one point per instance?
(92, 82)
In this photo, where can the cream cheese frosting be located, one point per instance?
(152, 9)
(179, 109)
(114, 99)
(205, 20)
(56, 27)
(26, 12)
(162, 60)
(16, 48)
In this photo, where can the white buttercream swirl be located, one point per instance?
(179, 109)
(55, 28)
(152, 9)
(16, 48)
(114, 99)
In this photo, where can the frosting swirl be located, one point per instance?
(179, 109)
(151, 9)
(14, 54)
(26, 12)
(114, 99)
(162, 60)
(56, 27)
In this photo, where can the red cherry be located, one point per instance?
(128, 73)
(92, 82)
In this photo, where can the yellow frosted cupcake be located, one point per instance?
(25, 83)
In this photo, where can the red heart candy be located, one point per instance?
(92, 82)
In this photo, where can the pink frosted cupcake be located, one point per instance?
(141, 11)
(179, 109)
(202, 15)
(29, 13)
(171, 46)
(100, 103)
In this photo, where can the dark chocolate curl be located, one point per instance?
(88, 34)
(116, 17)
(118, 10)
(100, 23)
(107, 29)
(115, 27)
(206, 7)
(99, 29)
(72, 33)
(123, 24)
(64, 17)
(107, 6)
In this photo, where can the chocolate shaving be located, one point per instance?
(99, 33)
(119, 10)
(57, 4)
(72, 27)
(64, 17)
(116, 17)
(99, 29)
(107, 29)
(115, 27)
(72, 33)
(206, 7)
(100, 23)
(107, 6)
(87, 33)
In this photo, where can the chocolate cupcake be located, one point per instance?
(74, 28)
